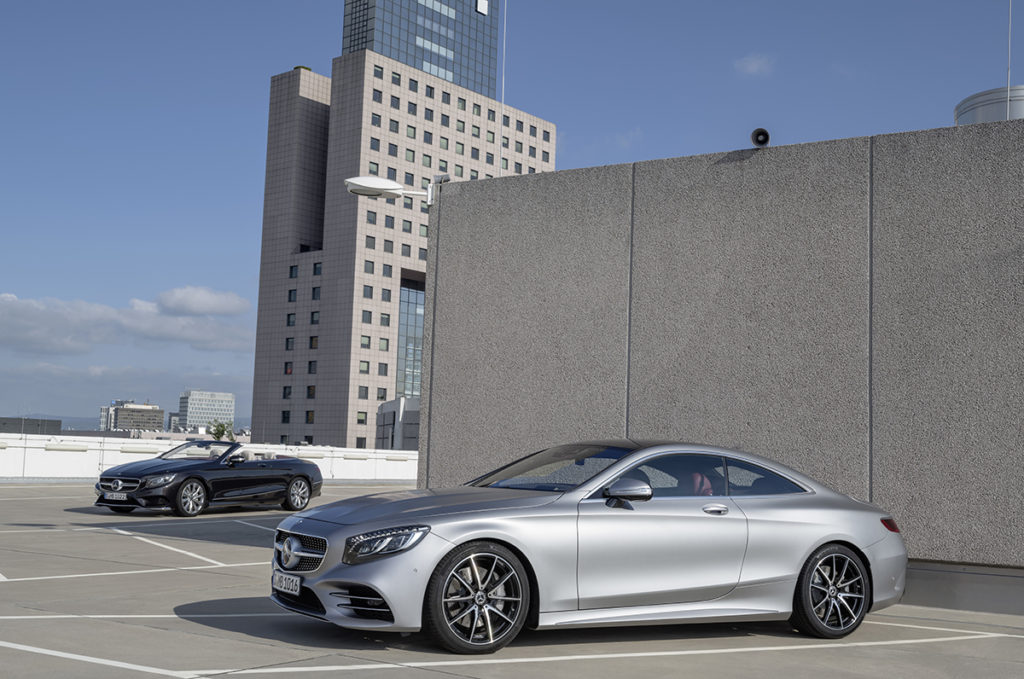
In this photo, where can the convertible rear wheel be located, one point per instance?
(191, 498)
(477, 599)
(297, 496)
(832, 593)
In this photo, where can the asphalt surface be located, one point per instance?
(88, 593)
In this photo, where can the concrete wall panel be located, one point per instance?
(750, 305)
(949, 339)
(530, 330)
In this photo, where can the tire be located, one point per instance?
(833, 593)
(122, 510)
(191, 498)
(477, 599)
(297, 496)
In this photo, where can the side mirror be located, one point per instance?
(628, 490)
(236, 459)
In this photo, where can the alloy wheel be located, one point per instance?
(298, 493)
(837, 592)
(482, 599)
(193, 497)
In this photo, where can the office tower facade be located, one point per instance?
(200, 408)
(340, 314)
(127, 415)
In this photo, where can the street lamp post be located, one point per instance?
(377, 187)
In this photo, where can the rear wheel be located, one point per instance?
(122, 510)
(297, 496)
(190, 499)
(477, 598)
(832, 593)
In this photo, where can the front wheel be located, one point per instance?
(191, 498)
(832, 593)
(477, 599)
(297, 496)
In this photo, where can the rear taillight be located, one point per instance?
(891, 525)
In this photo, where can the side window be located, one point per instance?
(750, 479)
(682, 475)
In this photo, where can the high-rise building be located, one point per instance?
(342, 277)
(127, 415)
(200, 408)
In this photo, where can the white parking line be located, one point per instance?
(197, 616)
(100, 661)
(138, 572)
(256, 525)
(44, 497)
(180, 551)
(604, 656)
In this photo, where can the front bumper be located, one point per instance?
(159, 499)
(385, 594)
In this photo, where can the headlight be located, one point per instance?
(378, 543)
(157, 481)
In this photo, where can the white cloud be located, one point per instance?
(195, 301)
(755, 64)
(53, 326)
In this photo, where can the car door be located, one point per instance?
(251, 479)
(685, 544)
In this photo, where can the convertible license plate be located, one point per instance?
(115, 496)
(289, 584)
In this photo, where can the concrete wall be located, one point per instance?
(852, 307)
(31, 456)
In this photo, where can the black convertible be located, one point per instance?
(198, 474)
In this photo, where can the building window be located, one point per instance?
(532, 170)
(316, 293)
(430, 91)
(423, 254)
(367, 316)
(410, 180)
(374, 168)
(371, 217)
(392, 174)
(410, 155)
(364, 342)
(427, 160)
(406, 226)
(410, 131)
(308, 440)
(314, 341)
(545, 156)
(460, 126)
(489, 159)
(311, 391)
(504, 163)
(445, 120)
(428, 137)
(519, 147)
(314, 318)
(311, 368)
(378, 96)
(383, 344)
(533, 152)
(290, 321)
(444, 143)
(286, 416)
(446, 98)
(533, 130)
(423, 230)
(367, 292)
(385, 295)
(547, 135)
(393, 150)
(490, 137)
(396, 79)
(474, 153)
(395, 103)
(361, 417)
(504, 142)
(382, 369)
(407, 202)
(286, 392)
(284, 439)
(293, 271)
(519, 168)
(378, 72)
(473, 174)
(364, 367)
(385, 319)
(406, 250)
(318, 268)
(375, 119)
(411, 108)
(462, 104)
(374, 144)
(386, 271)
(414, 85)
(368, 266)
(360, 442)
(364, 392)
(442, 165)
(519, 126)
(382, 394)
(460, 148)
(287, 367)
(428, 114)
(389, 246)
(309, 416)
(458, 170)
(392, 125)
(371, 243)
(289, 343)
(389, 222)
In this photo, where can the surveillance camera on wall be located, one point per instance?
(759, 137)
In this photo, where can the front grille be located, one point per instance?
(128, 485)
(363, 602)
(313, 551)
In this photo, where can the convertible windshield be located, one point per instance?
(197, 450)
(557, 469)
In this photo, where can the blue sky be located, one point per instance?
(134, 141)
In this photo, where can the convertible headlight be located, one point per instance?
(378, 543)
(157, 481)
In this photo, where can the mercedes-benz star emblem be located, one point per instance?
(289, 552)
(117, 484)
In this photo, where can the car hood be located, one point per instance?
(409, 505)
(154, 466)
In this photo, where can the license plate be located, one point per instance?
(289, 584)
(115, 496)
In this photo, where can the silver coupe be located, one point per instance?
(594, 534)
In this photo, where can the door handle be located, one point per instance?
(715, 509)
(263, 464)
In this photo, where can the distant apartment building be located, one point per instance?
(199, 408)
(342, 278)
(126, 415)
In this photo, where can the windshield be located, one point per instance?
(197, 450)
(557, 469)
